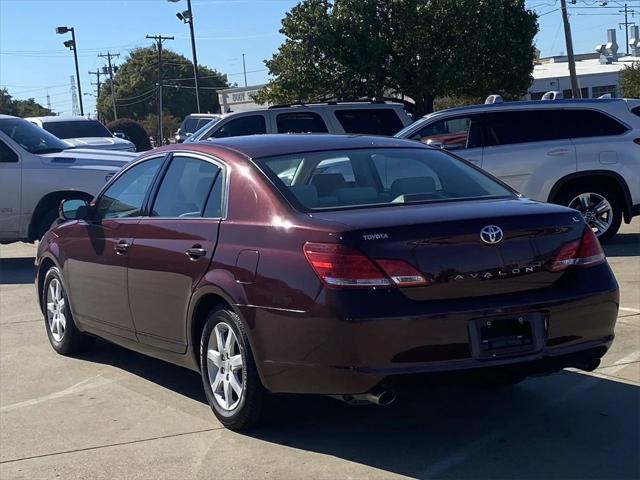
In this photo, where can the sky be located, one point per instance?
(33, 61)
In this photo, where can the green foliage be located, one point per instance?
(134, 132)
(630, 80)
(170, 125)
(21, 108)
(420, 49)
(136, 86)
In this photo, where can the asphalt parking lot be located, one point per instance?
(117, 414)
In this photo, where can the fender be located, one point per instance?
(627, 203)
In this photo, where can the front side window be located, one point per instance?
(300, 122)
(77, 129)
(451, 134)
(185, 188)
(369, 121)
(31, 137)
(239, 127)
(125, 196)
(378, 177)
(6, 154)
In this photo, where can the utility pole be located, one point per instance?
(244, 69)
(109, 56)
(48, 100)
(575, 89)
(159, 39)
(97, 73)
(627, 23)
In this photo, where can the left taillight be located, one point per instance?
(585, 252)
(339, 266)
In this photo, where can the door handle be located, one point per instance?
(121, 247)
(196, 252)
(558, 152)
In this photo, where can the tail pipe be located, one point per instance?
(378, 396)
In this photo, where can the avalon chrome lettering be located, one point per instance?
(500, 273)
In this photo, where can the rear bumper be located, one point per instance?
(350, 343)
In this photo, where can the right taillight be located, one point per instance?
(585, 252)
(339, 266)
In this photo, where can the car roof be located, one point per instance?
(268, 145)
(69, 118)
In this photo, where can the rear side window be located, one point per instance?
(378, 177)
(507, 128)
(300, 122)
(591, 123)
(238, 127)
(185, 188)
(369, 121)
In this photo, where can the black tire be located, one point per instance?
(251, 404)
(71, 340)
(612, 196)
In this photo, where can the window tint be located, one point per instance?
(189, 125)
(370, 121)
(507, 128)
(213, 208)
(77, 129)
(6, 154)
(452, 133)
(184, 188)
(381, 177)
(300, 122)
(125, 196)
(238, 127)
(591, 123)
(636, 110)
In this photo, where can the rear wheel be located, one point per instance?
(229, 375)
(64, 336)
(600, 206)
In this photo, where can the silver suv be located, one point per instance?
(580, 153)
(371, 118)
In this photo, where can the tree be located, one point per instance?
(134, 131)
(21, 108)
(348, 49)
(630, 80)
(136, 86)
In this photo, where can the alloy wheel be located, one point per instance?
(225, 367)
(596, 211)
(56, 310)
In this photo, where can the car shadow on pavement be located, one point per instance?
(17, 271)
(623, 245)
(566, 425)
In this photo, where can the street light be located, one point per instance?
(187, 17)
(71, 44)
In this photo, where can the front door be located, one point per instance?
(10, 191)
(172, 249)
(98, 252)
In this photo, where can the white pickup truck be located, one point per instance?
(38, 170)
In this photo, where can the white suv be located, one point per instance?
(38, 170)
(371, 118)
(580, 153)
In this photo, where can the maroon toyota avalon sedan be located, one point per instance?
(324, 264)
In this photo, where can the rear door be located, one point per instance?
(10, 191)
(461, 134)
(173, 247)
(529, 150)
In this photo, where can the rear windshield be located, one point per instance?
(367, 177)
(77, 129)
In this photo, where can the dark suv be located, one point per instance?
(324, 264)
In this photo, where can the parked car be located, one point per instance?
(580, 153)
(192, 123)
(83, 132)
(320, 282)
(38, 170)
(371, 118)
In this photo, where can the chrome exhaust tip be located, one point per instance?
(378, 396)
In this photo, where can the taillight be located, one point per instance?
(341, 266)
(579, 253)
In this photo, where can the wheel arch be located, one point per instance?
(43, 267)
(608, 176)
(46, 202)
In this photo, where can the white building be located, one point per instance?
(239, 99)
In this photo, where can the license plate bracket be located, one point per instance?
(507, 336)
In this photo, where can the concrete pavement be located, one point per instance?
(113, 413)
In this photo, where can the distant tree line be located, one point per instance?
(21, 108)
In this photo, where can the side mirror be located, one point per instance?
(73, 209)
(435, 143)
